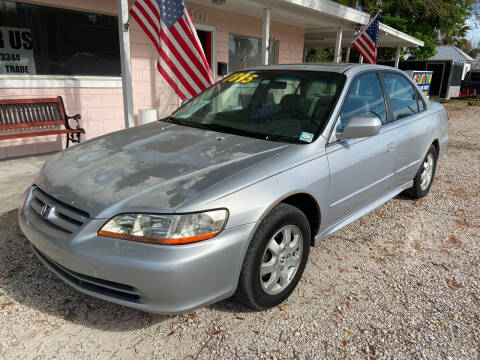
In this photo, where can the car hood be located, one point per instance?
(152, 168)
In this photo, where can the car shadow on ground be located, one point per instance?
(232, 305)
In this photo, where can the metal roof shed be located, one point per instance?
(461, 63)
(450, 52)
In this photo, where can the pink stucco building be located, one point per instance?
(99, 98)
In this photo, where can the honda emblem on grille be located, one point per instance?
(44, 212)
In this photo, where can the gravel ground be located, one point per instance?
(16, 175)
(400, 283)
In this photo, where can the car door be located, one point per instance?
(412, 128)
(360, 169)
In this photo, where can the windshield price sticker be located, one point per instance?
(242, 78)
(306, 136)
(16, 51)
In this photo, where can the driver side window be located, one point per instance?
(365, 99)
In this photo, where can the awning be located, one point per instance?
(387, 37)
(320, 18)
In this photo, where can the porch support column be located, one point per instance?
(338, 46)
(125, 63)
(347, 54)
(265, 35)
(397, 56)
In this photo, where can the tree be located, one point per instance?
(457, 36)
(475, 50)
(432, 21)
(319, 55)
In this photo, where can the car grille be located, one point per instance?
(62, 216)
(90, 283)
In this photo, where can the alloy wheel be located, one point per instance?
(427, 172)
(281, 259)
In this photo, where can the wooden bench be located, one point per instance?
(41, 114)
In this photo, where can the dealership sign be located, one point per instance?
(423, 79)
(16, 51)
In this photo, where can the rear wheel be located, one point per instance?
(424, 178)
(275, 259)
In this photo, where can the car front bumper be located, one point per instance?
(153, 278)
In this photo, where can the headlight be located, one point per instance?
(166, 229)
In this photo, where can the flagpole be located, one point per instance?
(371, 21)
(125, 62)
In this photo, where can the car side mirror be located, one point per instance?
(360, 126)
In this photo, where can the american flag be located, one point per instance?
(181, 59)
(367, 42)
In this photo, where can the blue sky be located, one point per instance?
(474, 33)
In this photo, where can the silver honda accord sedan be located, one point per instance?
(227, 194)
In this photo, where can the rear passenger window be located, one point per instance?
(402, 96)
(365, 99)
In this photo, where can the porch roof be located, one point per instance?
(320, 18)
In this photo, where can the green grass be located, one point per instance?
(456, 101)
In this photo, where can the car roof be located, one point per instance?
(348, 69)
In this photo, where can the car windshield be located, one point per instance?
(290, 106)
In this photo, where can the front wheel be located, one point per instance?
(275, 259)
(424, 178)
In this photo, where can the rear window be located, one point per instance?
(402, 95)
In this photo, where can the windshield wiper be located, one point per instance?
(284, 138)
(172, 120)
(237, 131)
(230, 130)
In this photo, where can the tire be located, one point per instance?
(271, 289)
(420, 188)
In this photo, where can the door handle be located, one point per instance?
(390, 146)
